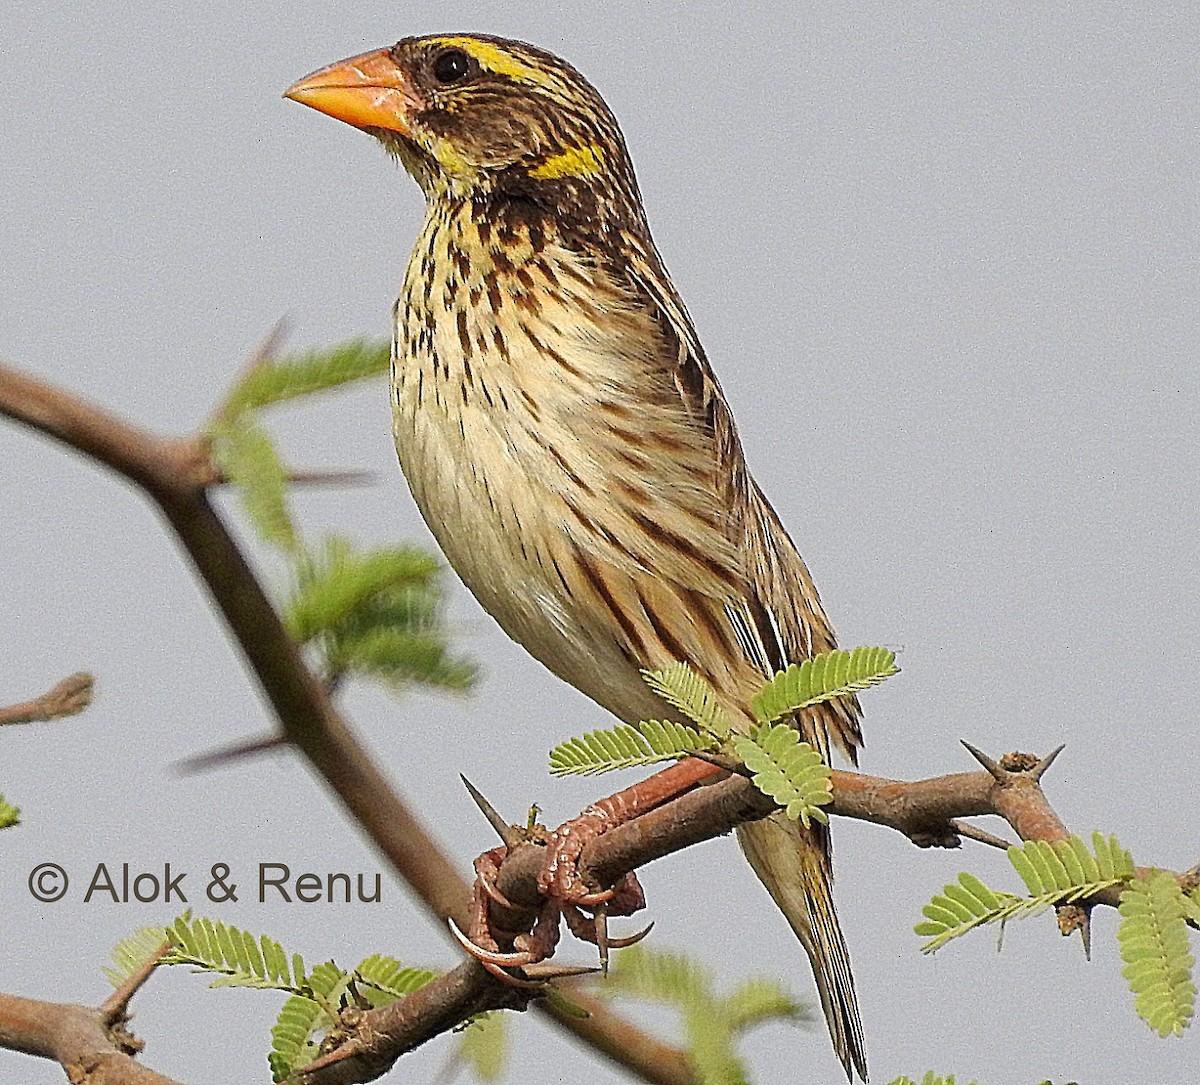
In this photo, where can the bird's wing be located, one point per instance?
(777, 618)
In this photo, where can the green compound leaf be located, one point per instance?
(291, 1037)
(964, 905)
(822, 678)
(1058, 873)
(292, 1043)
(237, 958)
(1049, 867)
(245, 454)
(682, 688)
(711, 1023)
(375, 613)
(289, 376)
(9, 814)
(337, 582)
(789, 771)
(483, 1045)
(1156, 951)
(672, 979)
(386, 979)
(623, 747)
(132, 953)
(757, 1000)
(930, 1078)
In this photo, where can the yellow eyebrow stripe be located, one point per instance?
(497, 60)
(573, 162)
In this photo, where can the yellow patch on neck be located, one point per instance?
(498, 60)
(573, 162)
(448, 156)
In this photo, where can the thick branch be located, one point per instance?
(77, 1038)
(922, 810)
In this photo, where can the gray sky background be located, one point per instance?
(944, 258)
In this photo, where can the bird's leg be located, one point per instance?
(560, 880)
(561, 886)
(560, 877)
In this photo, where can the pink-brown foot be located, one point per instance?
(563, 890)
(482, 940)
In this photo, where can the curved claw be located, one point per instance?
(488, 956)
(593, 900)
(493, 891)
(631, 940)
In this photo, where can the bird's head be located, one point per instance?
(480, 117)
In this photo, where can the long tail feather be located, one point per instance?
(792, 862)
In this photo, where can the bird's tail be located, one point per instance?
(793, 863)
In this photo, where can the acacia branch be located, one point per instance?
(175, 475)
(90, 1045)
(925, 811)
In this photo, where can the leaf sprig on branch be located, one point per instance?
(1154, 909)
(1155, 948)
(239, 959)
(1058, 873)
(782, 766)
(373, 613)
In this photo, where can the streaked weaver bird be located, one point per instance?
(563, 434)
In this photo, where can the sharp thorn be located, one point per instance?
(996, 771)
(973, 832)
(1085, 932)
(216, 758)
(1040, 768)
(269, 347)
(332, 477)
(511, 835)
(545, 972)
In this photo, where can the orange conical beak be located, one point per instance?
(367, 91)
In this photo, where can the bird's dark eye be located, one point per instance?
(451, 66)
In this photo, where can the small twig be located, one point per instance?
(68, 698)
(114, 1008)
(333, 476)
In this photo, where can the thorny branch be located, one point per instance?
(176, 476)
